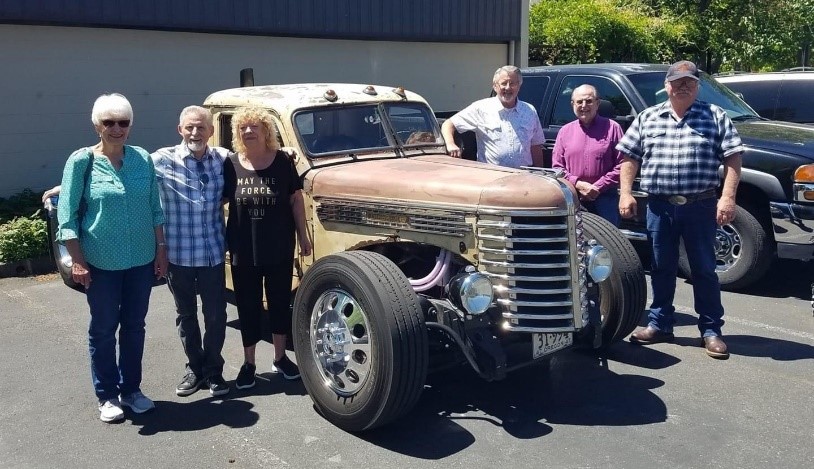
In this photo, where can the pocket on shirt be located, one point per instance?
(492, 132)
(101, 185)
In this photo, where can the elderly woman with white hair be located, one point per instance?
(111, 223)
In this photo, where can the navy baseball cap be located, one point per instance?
(681, 69)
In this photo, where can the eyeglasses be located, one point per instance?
(587, 101)
(108, 123)
(202, 176)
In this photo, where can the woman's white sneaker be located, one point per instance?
(138, 402)
(110, 411)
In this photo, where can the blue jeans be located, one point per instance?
(695, 223)
(118, 299)
(186, 283)
(606, 206)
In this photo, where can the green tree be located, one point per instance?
(578, 31)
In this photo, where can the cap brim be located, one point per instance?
(682, 75)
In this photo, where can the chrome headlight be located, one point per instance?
(600, 263)
(471, 291)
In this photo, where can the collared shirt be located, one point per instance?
(680, 156)
(589, 154)
(123, 208)
(505, 136)
(192, 195)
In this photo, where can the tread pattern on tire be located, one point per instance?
(403, 384)
(627, 276)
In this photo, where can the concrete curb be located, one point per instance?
(27, 267)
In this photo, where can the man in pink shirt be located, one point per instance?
(586, 150)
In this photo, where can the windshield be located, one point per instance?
(365, 128)
(651, 87)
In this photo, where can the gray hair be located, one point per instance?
(112, 103)
(199, 111)
(508, 69)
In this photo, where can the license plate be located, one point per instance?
(545, 343)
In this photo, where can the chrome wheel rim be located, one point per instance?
(341, 341)
(728, 247)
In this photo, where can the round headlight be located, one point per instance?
(472, 292)
(599, 263)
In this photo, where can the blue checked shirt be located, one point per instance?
(680, 157)
(191, 196)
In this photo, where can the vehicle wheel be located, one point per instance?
(742, 249)
(58, 252)
(623, 295)
(360, 339)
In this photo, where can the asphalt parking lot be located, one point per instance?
(668, 405)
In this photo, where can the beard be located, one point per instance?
(196, 146)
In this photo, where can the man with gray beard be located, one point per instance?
(190, 178)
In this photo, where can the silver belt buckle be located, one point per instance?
(677, 199)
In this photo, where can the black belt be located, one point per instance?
(683, 199)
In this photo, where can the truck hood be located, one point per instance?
(786, 137)
(440, 180)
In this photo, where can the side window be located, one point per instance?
(533, 90)
(225, 124)
(759, 95)
(608, 91)
(796, 102)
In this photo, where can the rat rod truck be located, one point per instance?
(422, 261)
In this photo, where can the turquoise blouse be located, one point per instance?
(123, 209)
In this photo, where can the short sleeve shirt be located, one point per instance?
(680, 156)
(504, 136)
(260, 230)
(192, 198)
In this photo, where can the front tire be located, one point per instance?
(360, 340)
(743, 252)
(623, 295)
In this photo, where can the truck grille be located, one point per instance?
(528, 256)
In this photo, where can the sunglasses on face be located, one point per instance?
(108, 123)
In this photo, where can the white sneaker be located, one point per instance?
(110, 410)
(138, 402)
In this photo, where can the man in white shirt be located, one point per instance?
(507, 130)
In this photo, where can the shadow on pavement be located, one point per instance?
(776, 349)
(570, 389)
(195, 415)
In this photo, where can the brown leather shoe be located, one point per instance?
(716, 347)
(651, 335)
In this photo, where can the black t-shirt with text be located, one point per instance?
(260, 229)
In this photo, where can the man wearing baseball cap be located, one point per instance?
(679, 145)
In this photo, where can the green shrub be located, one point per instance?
(23, 238)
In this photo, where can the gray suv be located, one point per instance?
(782, 96)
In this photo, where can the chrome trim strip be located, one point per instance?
(537, 318)
(538, 329)
(558, 265)
(523, 240)
(514, 303)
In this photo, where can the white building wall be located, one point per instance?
(51, 76)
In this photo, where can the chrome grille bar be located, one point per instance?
(531, 258)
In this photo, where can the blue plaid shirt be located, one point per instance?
(191, 196)
(680, 157)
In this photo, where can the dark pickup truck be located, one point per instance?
(775, 215)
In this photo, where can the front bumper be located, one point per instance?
(793, 226)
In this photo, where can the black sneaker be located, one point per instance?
(245, 378)
(189, 385)
(286, 367)
(217, 386)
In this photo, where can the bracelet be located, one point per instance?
(162, 244)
